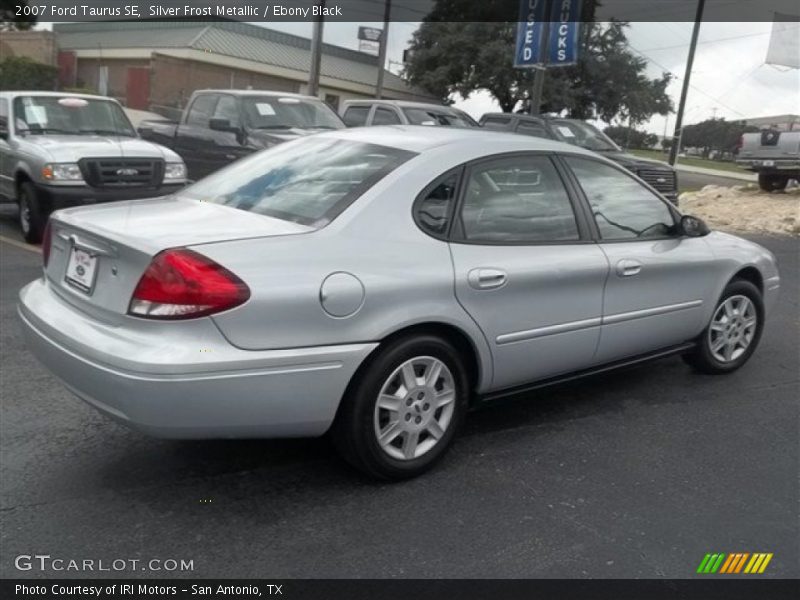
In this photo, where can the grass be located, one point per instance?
(691, 161)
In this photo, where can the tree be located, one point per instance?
(8, 16)
(628, 137)
(23, 73)
(462, 47)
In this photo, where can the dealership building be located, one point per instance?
(157, 65)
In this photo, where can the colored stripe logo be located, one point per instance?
(737, 562)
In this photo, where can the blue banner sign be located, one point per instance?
(529, 33)
(564, 28)
(565, 23)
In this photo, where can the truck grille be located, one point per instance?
(122, 172)
(660, 179)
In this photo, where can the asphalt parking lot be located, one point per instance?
(638, 474)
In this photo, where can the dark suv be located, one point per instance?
(657, 174)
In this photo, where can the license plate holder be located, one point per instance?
(81, 270)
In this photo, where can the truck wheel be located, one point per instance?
(772, 182)
(31, 220)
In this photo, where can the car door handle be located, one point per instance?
(487, 279)
(628, 267)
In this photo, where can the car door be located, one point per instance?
(194, 140)
(659, 283)
(526, 269)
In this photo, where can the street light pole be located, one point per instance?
(676, 137)
(316, 53)
(387, 10)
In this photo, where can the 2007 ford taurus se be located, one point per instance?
(375, 282)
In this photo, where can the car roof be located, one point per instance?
(14, 93)
(262, 93)
(420, 138)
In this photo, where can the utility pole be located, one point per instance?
(538, 76)
(676, 137)
(316, 53)
(387, 10)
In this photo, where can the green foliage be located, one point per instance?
(462, 57)
(8, 16)
(714, 134)
(628, 137)
(22, 73)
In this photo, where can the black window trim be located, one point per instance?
(587, 205)
(456, 229)
(459, 172)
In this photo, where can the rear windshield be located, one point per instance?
(309, 181)
(444, 118)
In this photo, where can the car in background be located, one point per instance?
(358, 113)
(377, 282)
(59, 150)
(773, 154)
(657, 174)
(218, 127)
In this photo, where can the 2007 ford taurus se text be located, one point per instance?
(375, 282)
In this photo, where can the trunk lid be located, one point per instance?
(119, 240)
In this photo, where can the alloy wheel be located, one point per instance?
(732, 329)
(414, 408)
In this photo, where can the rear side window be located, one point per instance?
(309, 181)
(201, 110)
(355, 116)
(385, 116)
(519, 199)
(623, 208)
(433, 208)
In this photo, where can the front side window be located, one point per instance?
(69, 115)
(288, 112)
(227, 109)
(519, 199)
(308, 181)
(385, 116)
(622, 207)
(356, 116)
(432, 210)
(201, 110)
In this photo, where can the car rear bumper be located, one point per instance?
(183, 379)
(54, 197)
(770, 164)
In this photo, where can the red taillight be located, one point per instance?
(47, 241)
(182, 284)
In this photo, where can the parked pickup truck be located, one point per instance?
(219, 126)
(59, 150)
(774, 155)
(659, 175)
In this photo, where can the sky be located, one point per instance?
(729, 76)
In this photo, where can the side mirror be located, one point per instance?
(693, 226)
(222, 125)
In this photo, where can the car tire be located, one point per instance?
(772, 182)
(417, 422)
(731, 337)
(31, 220)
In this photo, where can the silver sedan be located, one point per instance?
(377, 283)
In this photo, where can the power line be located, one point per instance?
(714, 41)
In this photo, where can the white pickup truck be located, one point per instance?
(774, 155)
